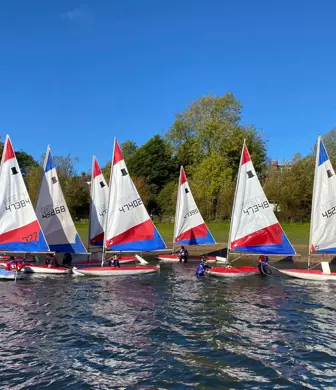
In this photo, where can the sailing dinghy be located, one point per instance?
(20, 230)
(128, 226)
(322, 237)
(254, 227)
(55, 218)
(98, 213)
(189, 228)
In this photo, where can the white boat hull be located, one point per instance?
(175, 259)
(10, 275)
(97, 262)
(309, 274)
(233, 272)
(113, 271)
(42, 269)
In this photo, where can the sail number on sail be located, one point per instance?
(329, 213)
(190, 213)
(256, 207)
(29, 238)
(103, 212)
(15, 203)
(129, 205)
(49, 211)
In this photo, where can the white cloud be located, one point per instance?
(81, 15)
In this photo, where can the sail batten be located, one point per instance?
(254, 226)
(189, 228)
(53, 213)
(128, 225)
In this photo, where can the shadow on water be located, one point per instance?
(169, 330)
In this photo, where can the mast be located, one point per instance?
(177, 207)
(234, 203)
(90, 215)
(313, 200)
(108, 204)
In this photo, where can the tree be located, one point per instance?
(166, 199)
(26, 162)
(211, 126)
(292, 189)
(154, 162)
(128, 149)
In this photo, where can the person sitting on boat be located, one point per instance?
(51, 261)
(67, 259)
(202, 267)
(114, 262)
(262, 262)
(14, 265)
(183, 254)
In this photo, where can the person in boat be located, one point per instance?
(51, 261)
(262, 263)
(202, 267)
(183, 255)
(67, 259)
(14, 265)
(114, 261)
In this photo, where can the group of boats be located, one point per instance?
(119, 222)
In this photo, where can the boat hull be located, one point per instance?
(122, 260)
(44, 269)
(233, 272)
(113, 271)
(175, 259)
(10, 275)
(309, 274)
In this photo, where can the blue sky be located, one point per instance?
(77, 74)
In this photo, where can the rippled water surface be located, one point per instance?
(167, 330)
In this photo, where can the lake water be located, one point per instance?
(167, 331)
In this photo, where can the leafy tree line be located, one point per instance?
(206, 138)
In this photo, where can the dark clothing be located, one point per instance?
(51, 262)
(202, 267)
(183, 255)
(262, 263)
(67, 259)
(114, 263)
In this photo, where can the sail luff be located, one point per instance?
(234, 203)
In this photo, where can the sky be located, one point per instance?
(77, 74)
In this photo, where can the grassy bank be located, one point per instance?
(298, 234)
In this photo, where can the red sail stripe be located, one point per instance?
(17, 235)
(269, 235)
(144, 231)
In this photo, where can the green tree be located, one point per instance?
(128, 149)
(166, 199)
(154, 162)
(26, 162)
(212, 126)
(291, 189)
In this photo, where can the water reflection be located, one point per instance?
(169, 330)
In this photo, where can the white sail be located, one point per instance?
(53, 213)
(254, 226)
(190, 227)
(98, 205)
(20, 230)
(323, 216)
(128, 226)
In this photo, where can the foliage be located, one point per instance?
(166, 199)
(128, 148)
(291, 189)
(154, 162)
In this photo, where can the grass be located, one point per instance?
(297, 233)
